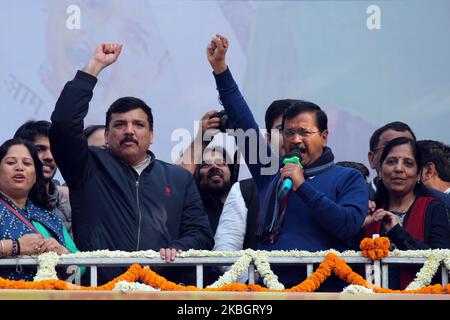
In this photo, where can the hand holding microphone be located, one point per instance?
(292, 172)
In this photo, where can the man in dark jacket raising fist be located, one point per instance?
(122, 197)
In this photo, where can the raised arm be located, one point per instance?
(255, 149)
(216, 52)
(104, 55)
(69, 147)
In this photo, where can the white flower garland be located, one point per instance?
(430, 267)
(237, 269)
(356, 289)
(46, 269)
(241, 265)
(113, 254)
(125, 286)
(447, 263)
(48, 262)
(427, 272)
(419, 253)
(275, 253)
(263, 266)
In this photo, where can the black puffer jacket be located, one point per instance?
(112, 207)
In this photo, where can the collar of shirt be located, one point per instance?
(140, 167)
(373, 184)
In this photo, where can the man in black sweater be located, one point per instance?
(122, 197)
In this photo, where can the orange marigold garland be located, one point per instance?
(343, 271)
(131, 275)
(156, 281)
(34, 285)
(257, 288)
(313, 282)
(382, 245)
(237, 287)
(375, 249)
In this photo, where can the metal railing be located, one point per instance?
(376, 271)
(387, 261)
(198, 262)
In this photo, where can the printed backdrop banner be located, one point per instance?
(365, 63)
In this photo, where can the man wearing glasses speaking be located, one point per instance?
(326, 205)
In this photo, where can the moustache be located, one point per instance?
(216, 172)
(129, 139)
(300, 146)
(47, 163)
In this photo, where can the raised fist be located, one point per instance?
(216, 52)
(104, 55)
(107, 53)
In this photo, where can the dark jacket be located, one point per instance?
(323, 213)
(112, 207)
(444, 197)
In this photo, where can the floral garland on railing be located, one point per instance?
(235, 271)
(263, 267)
(430, 267)
(374, 249)
(47, 265)
(124, 286)
(331, 264)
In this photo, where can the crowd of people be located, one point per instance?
(118, 196)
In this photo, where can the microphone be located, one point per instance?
(295, 157)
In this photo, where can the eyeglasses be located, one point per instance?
(290, 133)
(210, 162)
